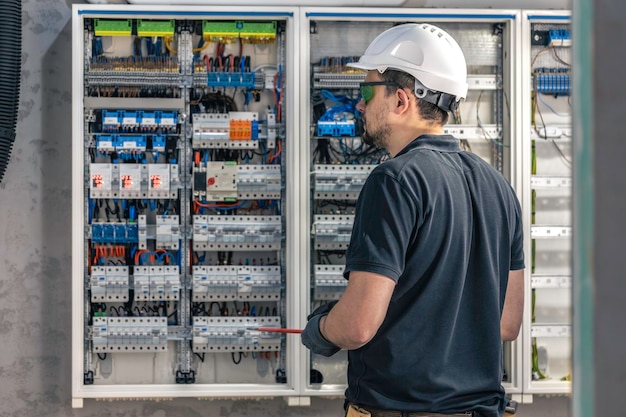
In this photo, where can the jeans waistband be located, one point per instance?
(395, 413)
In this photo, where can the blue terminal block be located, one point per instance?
(326, 128)
(130, 119)
(132, 233)
(167, 119)
(114, 233)
(111, 120)
(255, 130)
(556, 83)
(231, 79)
(346, 128)
(105, 143)
(132, 143)
(336, 128)
(148, 120)
(559, 37)
(158, 143)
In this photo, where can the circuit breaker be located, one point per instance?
(548, 202)
(339, 161)
(184, 122)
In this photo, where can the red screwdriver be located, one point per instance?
(275, 330)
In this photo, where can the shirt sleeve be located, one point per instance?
(517, 244)
(384, 224)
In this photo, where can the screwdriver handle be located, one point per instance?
(276, 330)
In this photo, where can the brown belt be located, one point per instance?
(358, 411)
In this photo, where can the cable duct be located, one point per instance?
(10, 69)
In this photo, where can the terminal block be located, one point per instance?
(552, 81)
(155, 27)
(234, 334)
(114, 232)
(329, 282)
(333, 80)
(107, 27)
(559, 37)
(244, 125)
(336, 128)
(125, 121)
(332, 231)
(223, 32)
(236, 283)
(248, 32)
(129, 334)
(340, 182)
(156, 283)
(131, 143)
(258, 32)
(109, 283)
(231, 79)
(251, 233)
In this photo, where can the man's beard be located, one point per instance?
(378, 137)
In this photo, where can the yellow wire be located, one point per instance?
(168, 46)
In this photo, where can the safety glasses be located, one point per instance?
(367, 88)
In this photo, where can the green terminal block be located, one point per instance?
(219, 30)
(263, 31)
(113, 27)
(155, 27)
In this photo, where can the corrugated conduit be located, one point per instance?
(10, 69)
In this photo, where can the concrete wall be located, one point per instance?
(35, 253)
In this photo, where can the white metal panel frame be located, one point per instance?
(528, 17)
(512, 65)
(80, 391)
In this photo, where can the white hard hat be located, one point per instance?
(425, 51)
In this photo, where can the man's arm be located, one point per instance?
(513, 310)
(356, 318)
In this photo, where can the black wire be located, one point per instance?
(102, 356)
(236, 361)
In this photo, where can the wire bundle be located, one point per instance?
(10, 68)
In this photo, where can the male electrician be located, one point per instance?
(435, 262)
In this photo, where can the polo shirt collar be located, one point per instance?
(442, 143)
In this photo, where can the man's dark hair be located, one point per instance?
(427, 110)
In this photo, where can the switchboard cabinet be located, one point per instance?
(183, 201)
(547, 199)
(336, 162)
(217, 159)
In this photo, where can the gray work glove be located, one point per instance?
(312, 337)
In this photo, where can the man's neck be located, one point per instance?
(410, 135)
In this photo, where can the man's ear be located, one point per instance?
(403, 100)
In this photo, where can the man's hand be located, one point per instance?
(312, 337)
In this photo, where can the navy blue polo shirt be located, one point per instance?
(446, 226)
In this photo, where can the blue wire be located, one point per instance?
(551, 109)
